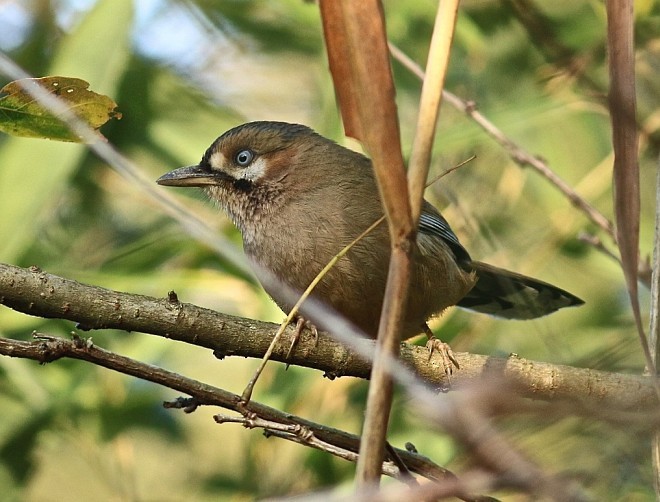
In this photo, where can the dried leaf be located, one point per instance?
(360, 64)
(339, 59)
(624, 138)
(357, 48)
(22, 115)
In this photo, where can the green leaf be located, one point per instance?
(22, 115)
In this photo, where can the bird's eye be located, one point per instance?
(244, 157)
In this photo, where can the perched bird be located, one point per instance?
(299, 198)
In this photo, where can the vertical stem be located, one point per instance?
(654, 329)
(366, 46)
(379, 398)
(429, 105)
(622, 102)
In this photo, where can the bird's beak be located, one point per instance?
(191, 176)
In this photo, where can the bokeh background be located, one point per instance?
(183, 72)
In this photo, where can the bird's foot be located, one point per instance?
(301, 324)
(435, 345)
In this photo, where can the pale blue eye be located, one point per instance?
(244, 157)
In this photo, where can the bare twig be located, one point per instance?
(523, 158)
(469, 419)
(517, 153)
(305, 436)
(596, 243)
(286, 425)
(299, 430)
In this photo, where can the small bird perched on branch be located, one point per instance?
(299, 198)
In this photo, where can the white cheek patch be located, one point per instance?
(254, 172)
(217, 158)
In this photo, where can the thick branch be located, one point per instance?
(37, 293)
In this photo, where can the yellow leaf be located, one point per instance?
(22, 115)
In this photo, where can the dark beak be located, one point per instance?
(191, 176)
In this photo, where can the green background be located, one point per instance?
(184, 72)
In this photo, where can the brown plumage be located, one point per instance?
(299, 198)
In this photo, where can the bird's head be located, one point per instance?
(254, 167)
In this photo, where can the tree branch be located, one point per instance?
(275, 422)
(38, 293)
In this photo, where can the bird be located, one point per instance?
(298, 198)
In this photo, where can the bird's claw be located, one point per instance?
(444, 351)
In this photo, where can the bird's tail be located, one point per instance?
(501, 293)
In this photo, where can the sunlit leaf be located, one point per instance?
(22, 115)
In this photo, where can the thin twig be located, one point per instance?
(517, 153)
(429, 103)
(247, 393)
(47, 349)
(596, 243)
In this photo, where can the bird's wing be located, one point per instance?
(433, 224)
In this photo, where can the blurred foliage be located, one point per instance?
(185, 71)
